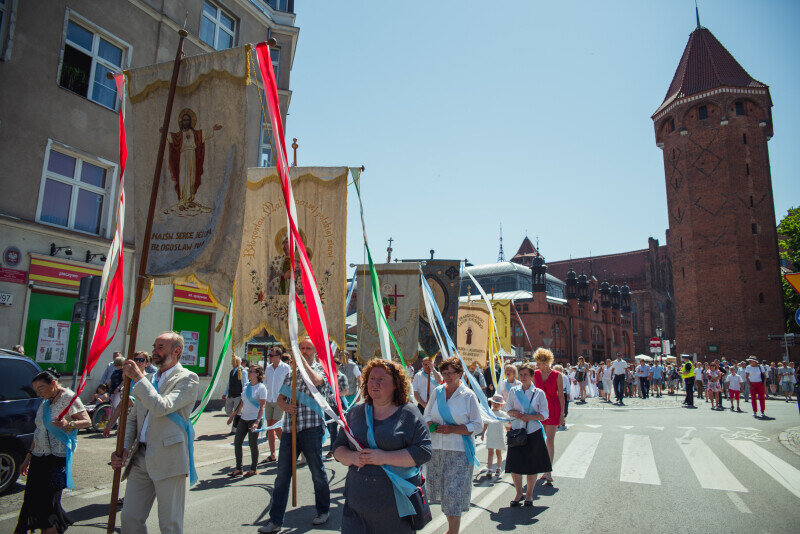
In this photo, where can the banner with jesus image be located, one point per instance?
(399, 294)
(198, 218)
(264, 265)
(473, 332)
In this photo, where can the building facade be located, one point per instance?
(576, 316)
(648, 273)
(59, 157)
(712, 128)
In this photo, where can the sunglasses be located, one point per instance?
(139, 360)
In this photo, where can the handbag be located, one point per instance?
(516, 437)
(422, 508)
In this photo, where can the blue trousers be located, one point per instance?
(309, 442)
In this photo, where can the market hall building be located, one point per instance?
(577, 316)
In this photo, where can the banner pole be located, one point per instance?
(294, 433)
(140, 279)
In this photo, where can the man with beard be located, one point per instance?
(158, 439)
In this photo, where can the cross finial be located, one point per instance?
(389, 251)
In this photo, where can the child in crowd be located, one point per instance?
(495, 435)
(100, 395)
(734, 382)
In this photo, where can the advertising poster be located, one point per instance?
(52, 344)
(190, 342)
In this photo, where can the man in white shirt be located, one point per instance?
(274, 375)
(426, 379)
(619, 366)
(755, 380)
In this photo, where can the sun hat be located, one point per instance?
(497, 399)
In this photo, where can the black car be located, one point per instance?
(18, 406)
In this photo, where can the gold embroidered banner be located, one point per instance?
(198, 219)
(399, 287)
(262, 278)
(502, 311)
(472, 330)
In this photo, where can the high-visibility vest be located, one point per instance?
(688, 370)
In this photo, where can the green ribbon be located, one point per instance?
(215, 377)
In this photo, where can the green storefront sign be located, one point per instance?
(713, 348)
(196, 330)
(50, 338)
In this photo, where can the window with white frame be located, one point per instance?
(217, 28)
(88, 55)
(275, 56)
(74, 191)
(265, 145)
(279, 5)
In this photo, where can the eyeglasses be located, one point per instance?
(140, 360)
(449, 373)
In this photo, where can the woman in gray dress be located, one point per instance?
(402, 441)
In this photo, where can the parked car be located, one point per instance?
(18, 406)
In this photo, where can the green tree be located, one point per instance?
(789, 244)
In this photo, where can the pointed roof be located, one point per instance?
(706, 64)
(526, 253)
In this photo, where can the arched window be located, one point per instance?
(626, 345)
(635, 316)
(559, 333)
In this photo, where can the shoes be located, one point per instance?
(516, 502)
(320, 519)
(497, 472)
(762, 415)
(755, 415)
(235, 473)
(271, 526)
(528, 504)
(329, 455)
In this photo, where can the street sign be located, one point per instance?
(655, 350)
(713, 348)
(797, 316)
(655, 342)
(794, 280)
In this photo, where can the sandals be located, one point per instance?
(271, 458)
(516, 502)
(235, 473)
(528, 504)
(250, 473)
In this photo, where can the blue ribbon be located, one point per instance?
(189, 429)
(526, 405)
(403, 489)
(257, 405)
(444, 411)
(308, 401)
(69, 439)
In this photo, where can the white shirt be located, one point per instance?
(420, 384)
(161, 379)
(607, 370)
(464, 408)
(734, 381)
(538, 400)
(619, 366)
(741, 373)
(505, 386)
(753, 373)
(257, 392)
(273, 379)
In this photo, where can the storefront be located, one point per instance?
(193, 317)
(50, 337)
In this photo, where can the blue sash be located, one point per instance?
(257, 405)
(444, 411)
(69, 439)
(526, 405)
(403, 489)
(309, 402)
(189, 429)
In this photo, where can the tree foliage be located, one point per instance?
(789, 244)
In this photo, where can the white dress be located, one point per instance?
(496, 433)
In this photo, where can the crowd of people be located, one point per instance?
(412, 438)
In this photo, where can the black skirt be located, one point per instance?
(531, 458)
(41, 504)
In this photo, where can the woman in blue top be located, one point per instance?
(251, 405)
(402, 444)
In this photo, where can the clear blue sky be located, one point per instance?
(531, 114)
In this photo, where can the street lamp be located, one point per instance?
(658, 335)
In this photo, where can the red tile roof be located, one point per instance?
(706, 64)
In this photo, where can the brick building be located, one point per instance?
(576, 316)
(649, 274)
(713, 127)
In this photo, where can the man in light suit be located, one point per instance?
(157, 446)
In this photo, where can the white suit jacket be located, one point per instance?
(167, 453)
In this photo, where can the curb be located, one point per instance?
(786, 441)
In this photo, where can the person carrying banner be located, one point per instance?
(251, 406)
(454, 416)
(426, 379)
(159, 439)
(310, 430)
(48, 463)
(397, 441)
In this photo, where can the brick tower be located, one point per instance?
(713, 128)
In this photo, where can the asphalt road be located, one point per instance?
(649, 466)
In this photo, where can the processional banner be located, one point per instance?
(473, 332)
(262, 278)
(502, 316)
(399, 288)
(198, 218)
(443, 278)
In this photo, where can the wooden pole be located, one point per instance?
(140, 279)
(294, 433)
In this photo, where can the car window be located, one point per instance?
(15, 380)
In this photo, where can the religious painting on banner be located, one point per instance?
(502, 316)
(399, 294)
(198, 218)
(443, 278)
(473, 332)
(262, 278)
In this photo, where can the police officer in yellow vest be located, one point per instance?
(687, 374)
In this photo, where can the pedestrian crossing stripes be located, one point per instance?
(574, 462)
(786, 475)
(707, 467)
(638, 461)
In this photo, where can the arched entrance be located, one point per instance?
(598, 345)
